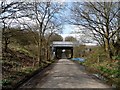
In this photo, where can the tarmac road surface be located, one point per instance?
(65, 74)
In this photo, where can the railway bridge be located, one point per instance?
(63, 49)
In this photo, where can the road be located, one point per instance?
(65, 74)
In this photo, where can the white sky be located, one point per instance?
(65, 0)
(71, 30)
(68, 30)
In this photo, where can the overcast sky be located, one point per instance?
(68, 30)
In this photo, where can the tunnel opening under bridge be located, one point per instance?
(63, 52)
(63, 49)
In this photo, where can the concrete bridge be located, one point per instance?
(63, 47)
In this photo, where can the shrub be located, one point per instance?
(6, 82)
(116, 57)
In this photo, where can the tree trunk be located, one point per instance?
(5, 39)
(108, 49)
(6, 44)
(39, 49)
(40, 59)
(39, 52)
(48, 51)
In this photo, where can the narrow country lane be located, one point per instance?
(65, 74)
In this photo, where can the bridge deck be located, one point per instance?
(65, 74)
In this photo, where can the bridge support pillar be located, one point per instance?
(72, 53)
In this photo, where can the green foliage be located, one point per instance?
(23, 50)
(28, 70)
(6, 82)
(98, 61)
(13, 77)
(47, 62)
(20, 73)
(27, 51)
(82, 63)
(110, 72)
(116, 57)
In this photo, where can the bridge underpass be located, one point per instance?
(64, 74)
(63, 48)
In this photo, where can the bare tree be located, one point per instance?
(70, 38)
(54, 28)
(44, 16)
(98, 17)
(7, 12)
